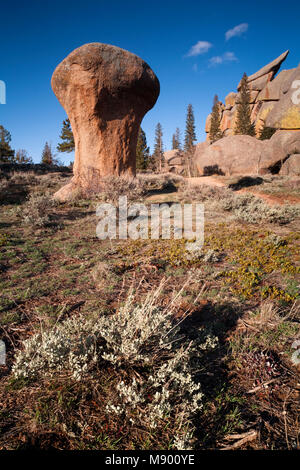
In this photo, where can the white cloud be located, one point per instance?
(220, 59)
(201, 47)
(236, 31)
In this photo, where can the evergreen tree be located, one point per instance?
(215, 132)
(67, 143)
(243, 121)
(158, 147)
(176, 140)
(7, 154)
(190, 136)
(48, 157)
(22, 156)
(142, 151)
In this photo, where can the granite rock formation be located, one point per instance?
(106, 91)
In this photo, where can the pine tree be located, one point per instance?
(22, 157)
(215, 132)
(176, 140)
(7, 154)
(158, 147)
(48, 157)
(67, 143)
(243, 120)
(142, 151)
(190, 136)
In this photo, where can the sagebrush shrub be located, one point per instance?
(112, 187)
(36, 211)
(4, 187)
(251, 209)
(161, 182)
(202, 192)
(144, 340)
(18, 177)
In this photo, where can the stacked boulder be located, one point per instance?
(174, 161)
(274, 100)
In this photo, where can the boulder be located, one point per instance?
(230, 100)
(228, 119)
(270, 69)
(273, 89)
(246, 155)
(286, 112)
(168, 154)
(105, 91)
(207, 123)
(228, 156)
(253, 96)
(174, 161)
(256, 109)
(266, 94)
(260, 83)
(201, 147)
(278, 149)
(264, 108)
(291, 167)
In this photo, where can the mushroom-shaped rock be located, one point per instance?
(106, 91)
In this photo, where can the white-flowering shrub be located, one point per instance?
(142, 339)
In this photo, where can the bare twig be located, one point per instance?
(243, 439)
(255, 389)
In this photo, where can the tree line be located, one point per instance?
(9, 155)
(144, 160)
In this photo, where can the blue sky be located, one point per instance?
(197, 49)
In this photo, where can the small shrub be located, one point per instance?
(4, 239)
(249, 208)
(112, 187)
(37, 210)
(202, 192)
(4, 188)
(26, 178)
(155, 361)
(161, 182)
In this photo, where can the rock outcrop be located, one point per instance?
(245, 155)
(174, 161)
(106, 91)
(291, 166)
(271, 103)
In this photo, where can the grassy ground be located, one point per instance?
(243, 287)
